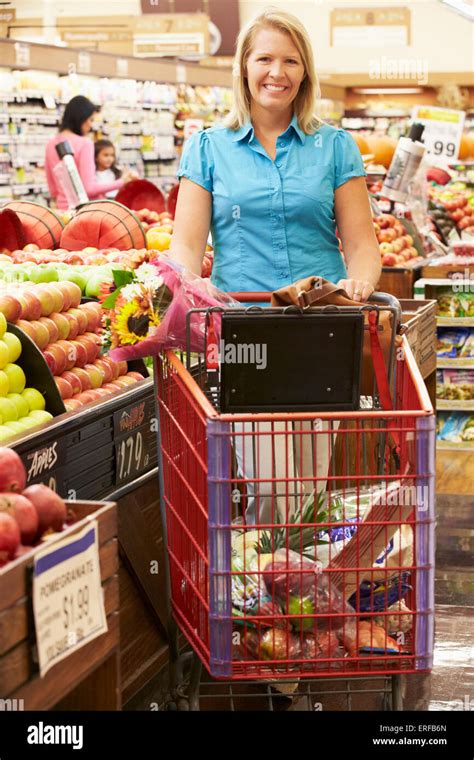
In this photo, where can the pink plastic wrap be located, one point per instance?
(188, 292)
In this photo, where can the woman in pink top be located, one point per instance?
(76, 124)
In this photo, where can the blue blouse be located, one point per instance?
(272, 221)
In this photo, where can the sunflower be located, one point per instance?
(131, 323)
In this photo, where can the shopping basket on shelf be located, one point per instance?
(300, 543)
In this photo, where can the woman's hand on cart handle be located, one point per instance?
(357, 290)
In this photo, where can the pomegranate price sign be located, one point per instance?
(68, 601)
(442, 134)
(134, 440)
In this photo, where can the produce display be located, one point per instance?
(396, 246)
(21, 408)
(28, 516)
(451, 206)
(455, 343)
(453, 304)
(455, 428)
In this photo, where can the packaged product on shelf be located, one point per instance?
(455, 384)
(452, 304)
(467, 351)
(457, 428)
(451, 341)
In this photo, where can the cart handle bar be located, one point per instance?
(384, 299)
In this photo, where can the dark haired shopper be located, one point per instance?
(75, 126)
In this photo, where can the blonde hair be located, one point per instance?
(305, 101)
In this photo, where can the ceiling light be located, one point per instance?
(465, 9)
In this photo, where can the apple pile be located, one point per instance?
(68, 334)
(396, 246)
(21, 408)
(153, 218)
(457, 200)
(27, 515)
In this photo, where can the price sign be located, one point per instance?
(47, 465)
(121, 66)
(68, 602)
(442, 135)
(83, 62)
(22, 54)
(135, 441)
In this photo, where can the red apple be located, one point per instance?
(9, 538)
(80, 353)
(67, 293)
(113, 365)
(96, 375)
(138, 377)
(12, 471)
(30, 305)
(62, 323)
(41, 334)
(91, 343)
(72, 404)
(112, 387)
(48, 302)
(122, 368)
(389, 260)
(73, 381)
(59, 355)
(124, 380)
(52, 328)
(83, 376)
(10, 307)
(81, 319)
(27, 328)
(106, 369)
(73, 325)
(64, 388)
(86, 397)
(24, 512)
(94, 316)
(31, 247)
(50, 507)
(69, 351)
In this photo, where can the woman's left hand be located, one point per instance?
(358, 290)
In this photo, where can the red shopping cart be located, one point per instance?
(300, 544)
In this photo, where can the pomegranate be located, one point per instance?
(25, 514)
(9, 537)
(50, 507)
(12, 471)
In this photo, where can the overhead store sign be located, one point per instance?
(370, 27)
(224, 18)
(7, 16)
(171, 35)
(442, 134)
(88, 36)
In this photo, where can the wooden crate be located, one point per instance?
(419, 318)
(444, 271)
(399, 281)
(19, 675)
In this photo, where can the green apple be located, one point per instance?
(5, 433)
(4, 354)
(40, 416)
(21, 406)
(3, 325)
(4, 384)
(14, 346)
(16, 377)
(8, 410)
(79, 279)
(44, 273)
(94, 284)
(34, 399)
(15, 426)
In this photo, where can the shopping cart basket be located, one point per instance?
(300, 545)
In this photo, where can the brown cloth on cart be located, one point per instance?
(315, 291)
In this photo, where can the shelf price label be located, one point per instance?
(134, 441)
(442, 135)
(68, 601)
(46, 465)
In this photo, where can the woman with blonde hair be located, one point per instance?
(274, 181)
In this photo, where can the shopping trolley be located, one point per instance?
(300, 544)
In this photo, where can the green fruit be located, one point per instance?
(14, 346)
(5, 433)
(15, 427)
(298, 606)
(40, 416)
(79, 279)
(22, 407)
(43, 273)
(94, 284)
(8, 410)
(16, 377)
(33, 398)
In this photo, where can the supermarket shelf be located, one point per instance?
(458, 362)
(445, 406)
(451, 445)
(455, 321)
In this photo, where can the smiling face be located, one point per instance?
(105, 158)
(274, 70)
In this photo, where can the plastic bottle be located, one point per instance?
(405, 162)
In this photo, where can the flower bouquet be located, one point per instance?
(147, 307)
